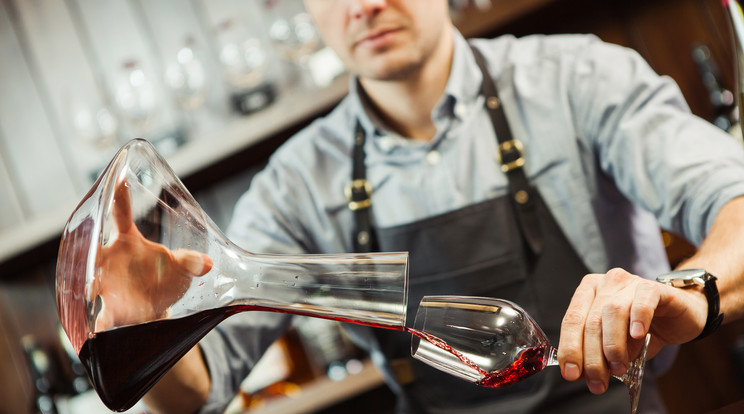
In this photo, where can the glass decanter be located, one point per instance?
(143, 274)
(493, 342)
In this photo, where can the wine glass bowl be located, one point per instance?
(242, 56)
(136, 97)
(187, 78)
(492, 342)
(93, 123)
(295, 37)
(489, 334)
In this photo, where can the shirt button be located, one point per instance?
(433, 157)
(386, 143)
(460, 110)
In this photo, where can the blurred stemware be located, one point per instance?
(245, 64)
(136, 97)
(187, 78)
(295, 37)
(94, 125)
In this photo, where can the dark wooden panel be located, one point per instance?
(664, 32)
(15, 382)
(706, 375)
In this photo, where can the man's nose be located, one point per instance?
(365, 8)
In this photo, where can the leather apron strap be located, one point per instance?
(359, 194)
(509, 154)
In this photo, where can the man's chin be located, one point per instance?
(389, 69)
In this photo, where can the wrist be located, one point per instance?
(707, 283)
(184, 389)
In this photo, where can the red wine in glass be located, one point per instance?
(529, 362)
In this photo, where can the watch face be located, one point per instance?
(681, 275)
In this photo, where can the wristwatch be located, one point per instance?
(698, 277)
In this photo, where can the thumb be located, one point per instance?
(104, 319)
(193, 262)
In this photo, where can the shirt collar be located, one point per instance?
(461, 91)
(464, 84)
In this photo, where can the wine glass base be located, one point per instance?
(633, 378)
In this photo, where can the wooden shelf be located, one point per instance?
(319, 394)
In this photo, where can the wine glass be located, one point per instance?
(93, 123)
(296, 37)
(136, 97)
(492, 342)
(242, 55)
(187, 78)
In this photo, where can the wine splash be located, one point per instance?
(530, 361)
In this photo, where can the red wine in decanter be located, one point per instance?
(124, 363)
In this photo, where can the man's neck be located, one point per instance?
(406, 105)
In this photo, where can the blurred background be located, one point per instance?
(216, 86)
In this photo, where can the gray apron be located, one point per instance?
(510, 247)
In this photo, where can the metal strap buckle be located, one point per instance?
(356, 187)
(512, 152)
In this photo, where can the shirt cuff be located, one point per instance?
(221, 388)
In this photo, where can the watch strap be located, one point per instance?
(714, 318)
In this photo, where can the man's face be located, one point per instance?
(379, 39)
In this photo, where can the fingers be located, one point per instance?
(614, 336)
(104, 319)
(607, 315)
(122, 210)
(193, 262)
(615, 307)
(604, 345)
(647, 298)
(571, 348)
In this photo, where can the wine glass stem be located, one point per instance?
(633, 378)
(551, 359)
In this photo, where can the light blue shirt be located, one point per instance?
(610, 145)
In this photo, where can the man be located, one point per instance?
(595, 151)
